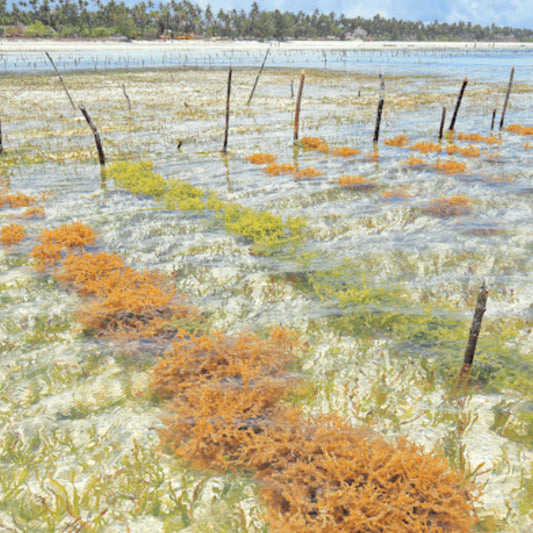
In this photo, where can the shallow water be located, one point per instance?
(384, 238)
(481, 62)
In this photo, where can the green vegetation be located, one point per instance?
(266, 231)
(434, 330)
(184, 20)
(138, 178)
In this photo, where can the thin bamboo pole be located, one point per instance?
(298, 104)
(458, 104)
(510, 84)
(61, 80)
(378, 119)
(441, 127)
(226, 128)
(257, 78)
(493, 120)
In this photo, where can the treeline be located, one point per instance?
(145, 20)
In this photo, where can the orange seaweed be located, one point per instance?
(261, 159)
(456, 205)
(413, 161)
(276, 169)
(84, 272)
(519, 130)
(34, 212)
(17, 199)
(131, 303)
(12, 234)
(123, 302)
(346, 151)
(60, 240)
(426, 147)
(475, 137)
(221, 390)
(307, 173)
(356, 182)
(469, 151)
(314, 143)
(450, 167)
(399, 140)
(225, 410)
(324, 475)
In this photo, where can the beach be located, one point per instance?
(11, 45)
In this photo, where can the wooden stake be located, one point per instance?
(61, 80)
(298, 104)
(381, 85)
(1, 145)
(468, 359)
(96, 135)
(456, 110)
(378, 119)
(506, 98)
(493, 120)
(257, 78)
(126, 95)
(226, 128)
(441, 127)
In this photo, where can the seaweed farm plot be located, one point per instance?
(270, 338)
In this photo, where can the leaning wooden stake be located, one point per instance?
(378, 119)
(257, 78)
(126, 96)
(457, 105)
(506, 98)
(441, 127)
(61, 80)
(468, 359)
(493, 120)
(96, 135)
(226, 128)
(298, 104)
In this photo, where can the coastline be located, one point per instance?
(25, 45)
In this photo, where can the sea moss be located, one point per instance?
(137, 177)
(266, 231)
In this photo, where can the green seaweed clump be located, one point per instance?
(138, 178)
(267, 231)
(184, 196)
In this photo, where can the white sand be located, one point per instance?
(23, 45)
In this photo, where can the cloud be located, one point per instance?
(515, 13)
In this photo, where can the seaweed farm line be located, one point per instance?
(362, 260)
(484, 60)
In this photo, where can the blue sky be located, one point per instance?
(515, 13)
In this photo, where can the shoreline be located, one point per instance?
(23, 45)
